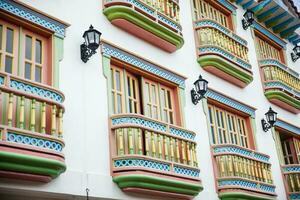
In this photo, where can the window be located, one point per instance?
(16, 43)
(290, 149)
(227, 127)
(133, 93)
(205, 9)
(268, 50)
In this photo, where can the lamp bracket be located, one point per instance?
(86, 52)
(265, 125)
(294, 57)
(196, 97)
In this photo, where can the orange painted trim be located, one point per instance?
(24, 176)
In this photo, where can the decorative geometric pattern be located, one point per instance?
(1, 80)
(210, 23)
(109, 50)
(25, 87)
(151, 11)
(186, 171)
(230, 102)
(286, 126)
(242, 152)
(32, 141)
(294, 196)
(228, 5)
(139, 121)
(33, 16)
(269, 34)
(119, 120)
(229, 56)
(277, 84)
(135, 162)
(292, 168)
(280, 65)
(246, 184)
(182, 133)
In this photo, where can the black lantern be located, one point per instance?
(296, 53)
(271, 117)
(200, 90)
(248, 19)
(91, 43)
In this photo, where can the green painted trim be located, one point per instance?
(182, 104)
(126, 13)
(58, 52)
(225, 66)
(243, 196)
(30, 164)
(157, 183)
(254, 130)
(107, 75)
(279, 95)
(20, 53)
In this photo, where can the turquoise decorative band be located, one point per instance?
(35, 90)
(230, 102)
(109, 50)
(157, 126)
(276, 63)
(33, 16)
(289, 127)
(277, 84)
(32, 141)
(228, 5)
(211, 23)
(229, 56)
(246, 184)
(169, 22)
(1, 80)
(156, 165)
(291, 168)
(269, 34)
(241, 151)
(294, 196)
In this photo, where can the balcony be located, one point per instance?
(30, 130)
(156, 22)
(291, 175)
(281, 85)
(223, 53)
(149, 156)
(242, 173)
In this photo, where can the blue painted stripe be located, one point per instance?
(289, 31)
(248, 4)
(280, 27)
(265, 15)
(275, 20)
(260, 6)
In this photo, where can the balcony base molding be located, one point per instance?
(242, 195)
(283, 100)
(158, 185)
(225, 70)
(144, 28)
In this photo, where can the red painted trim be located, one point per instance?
(23, 176)
(285, 106)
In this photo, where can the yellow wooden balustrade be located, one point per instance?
(131, 141)
(238, 166)
(293, 181)
(213, 37)
(274, 73)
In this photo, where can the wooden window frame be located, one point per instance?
(248, 130)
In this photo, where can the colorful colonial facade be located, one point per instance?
(122, 124)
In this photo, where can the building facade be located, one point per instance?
(123, 125)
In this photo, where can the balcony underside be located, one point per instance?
(242, 195)
(284, 100)
(144, 28)
(30, 156)
(224, 69)
(158, 185)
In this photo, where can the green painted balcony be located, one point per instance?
(223, 53)
(30, 130)
(291, 175)
(156, 22)
(281, 85)
(242, 173)
(149, 156)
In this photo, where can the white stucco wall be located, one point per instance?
(86, 117)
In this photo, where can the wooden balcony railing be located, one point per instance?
(240, 168)
(141, 143)
(31, 106)
(291, 175)
(281, 82)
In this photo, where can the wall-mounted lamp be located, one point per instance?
(91, 43)
(248, 19)
(296, 53)
(271, 117)
(200, 90)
